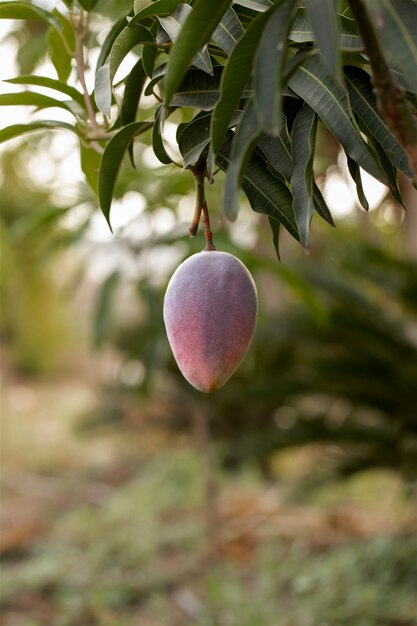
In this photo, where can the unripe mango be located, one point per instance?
(210, 311)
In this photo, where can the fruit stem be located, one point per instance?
(199, 171)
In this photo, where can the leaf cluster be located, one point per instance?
(250, 81)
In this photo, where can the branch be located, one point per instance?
(391, 98)
(199, 171)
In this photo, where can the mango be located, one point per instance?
(210, 311)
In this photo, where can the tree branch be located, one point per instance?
(391, 98)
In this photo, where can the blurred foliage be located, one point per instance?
(138, 557)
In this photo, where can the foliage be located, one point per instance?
(240, 99)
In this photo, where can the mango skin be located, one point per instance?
(210, 311)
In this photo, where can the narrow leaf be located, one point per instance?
(349, 38)
(269, 66)
(329, 99)
(40, 101)
(363, 101)
(133, 91)
(195, 32)
(255, 5)
(111, 37)
(27, 11)
(50, 83)
(172, 25)
(90, 165)
(20, 129)
(235, 77)
(111, 163)
(103, 312)
(303, 143)
(157, 140)
(228, 32)
(355, 172)
(275, 228)
(59, 56)
(277, 151)
(396, 24)
(243, 143)
(321, 206)
(199, 90)
(160, 7)
(324, 19)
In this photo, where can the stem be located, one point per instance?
(80, 30)
(199, 171)
(391, 98)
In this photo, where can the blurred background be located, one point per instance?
(114, 512)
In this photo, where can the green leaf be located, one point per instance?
(88, 5)
(235, 77)
(157, 76)
(329, 99)
(363, 102)
(355, 172)
(111, 37)
(103, 312)
(20, 129)
(59, 56)
(160, 7)
(90, 165)
(193, 137)
(111, 163)
(321, 206)
(228, 32)
(395, 23)
(255, 5)
(244, 141)
(349, 37)
(172, 25)
(133, 91)
(50, 83)
(27, 11)
(157, 140)
(199, 90)
(324, 18)
(195, 32)
(269, 67)
(303, 143)
(130, 37)
(275, 228)
(40, 101)
(277, 151)
(266, 193)
(149, 53)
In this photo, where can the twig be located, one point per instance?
(199, 171)
(391, 97)
(80, 30)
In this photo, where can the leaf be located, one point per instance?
(275, 227)
(235, 77)
(27, 11)
(277, 151)
(40, 101)
(395, 23)
(349, 37)
(157, 75)
(199, 90)
(324, 18)
(363, 101)
(195, 32)
(321, 206)
(355, 172)
(255, 5)
(266, 193)
(133, 91)
(172, 25)
(20, 129)
(88, 5)
(59, 56)
(130, 37)
(329, 99)
(244, 141)
(111, 37)
(90, 165)
(149, 54)
(50, 83)
(269, 66)
(228, 32)
(160, 7)
(111, 162)
(303, 143)
(157, 140)
(193, 137)
(103, 312)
